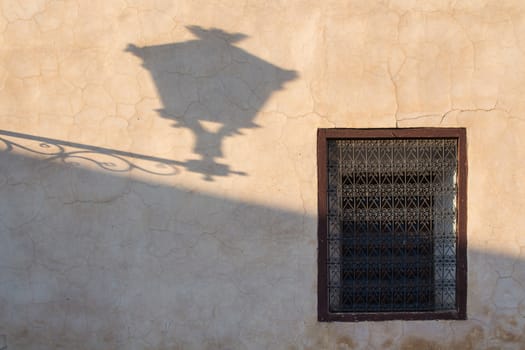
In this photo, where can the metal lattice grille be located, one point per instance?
(391, 225)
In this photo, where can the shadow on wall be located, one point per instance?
(93, 260)
(212, 88)
(90, 260)
(76, 154)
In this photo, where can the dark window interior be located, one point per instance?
(390, 229)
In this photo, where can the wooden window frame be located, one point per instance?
(323, 135)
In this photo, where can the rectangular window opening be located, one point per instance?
(392, 224)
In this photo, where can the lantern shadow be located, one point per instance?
(213, 88)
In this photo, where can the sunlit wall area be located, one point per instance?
(158, 165)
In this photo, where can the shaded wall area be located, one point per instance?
(93, 259)
(96, 259)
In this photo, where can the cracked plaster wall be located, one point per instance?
(170, 244)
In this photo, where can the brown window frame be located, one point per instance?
(323, 135)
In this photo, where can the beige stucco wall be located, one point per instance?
(204, 236)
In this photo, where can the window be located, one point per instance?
(392, 224)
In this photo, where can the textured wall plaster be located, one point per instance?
(158, 165)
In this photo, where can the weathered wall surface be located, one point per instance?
(158, 165)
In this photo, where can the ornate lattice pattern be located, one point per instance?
(391, 225)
